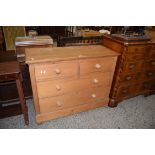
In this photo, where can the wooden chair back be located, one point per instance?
(79, 41)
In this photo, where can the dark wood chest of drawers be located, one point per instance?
(135, 70)
(68, 80)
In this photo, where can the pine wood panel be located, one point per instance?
(96, 65)
(67, 53)
(79, 86)
(56, 70)
(59, 87)
(73, 99)
(69, 111)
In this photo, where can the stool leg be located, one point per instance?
(22, 100)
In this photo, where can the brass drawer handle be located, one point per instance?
(131, 66)
(58, 87)
(97, 66)
(124, 91)
(128, 78)
(146, 85)
(150, 74)
(95, 81)
(153, 63)
(59, 104)
(57, 71)
(93, 95)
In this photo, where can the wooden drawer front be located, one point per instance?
(8, 77)
(132, 66)
(58, 70)
(60, 87)
(148, 75)
(126, 91)
(137, 49)
(96, 65)
(135, 56)
(148, 85)
(70, 100)
(129, 78)
(150, 64)
(152, 54)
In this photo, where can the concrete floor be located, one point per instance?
(134, 113)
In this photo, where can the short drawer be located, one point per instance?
(127, 91)
(129, 78)
(132, 66)
(73, 99)
(57, 70)
(150, 64)
(60, 87)
(148, 75)
(147, 85)
(152, 54)
(135, 56)
(137, 49)
(96, 65)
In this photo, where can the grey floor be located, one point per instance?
(138, 112)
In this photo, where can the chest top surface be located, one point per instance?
(11, 67)
(37, 55)
(36, 40)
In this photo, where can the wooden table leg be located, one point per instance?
(22, 100)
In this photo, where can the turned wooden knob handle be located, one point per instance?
(57, 71)
(146, 85)
(43, 72)
(97, 66)
(58, 87)
(59, 103)
(124, 91)
(93, 95)
(128, 78)
(131, 66)
(150, 74)
(95, 81)
(153, 63)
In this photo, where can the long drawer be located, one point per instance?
(73, 99)
(96, 65)
(57, 70)
(59, 87)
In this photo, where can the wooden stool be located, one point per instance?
(10, 73)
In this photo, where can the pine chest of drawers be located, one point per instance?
(67, 80)
(135, 69)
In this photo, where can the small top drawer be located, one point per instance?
(57, 70)
(137, 48)
(135, 56)
(96, 65)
